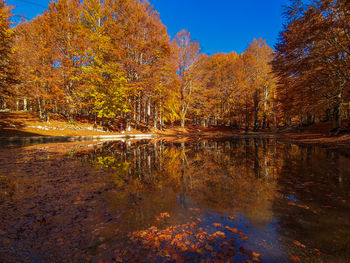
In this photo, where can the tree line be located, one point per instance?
(312, 62)
(114, 60)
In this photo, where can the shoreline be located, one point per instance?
(22, 140)
(338, 143)
(22, 128)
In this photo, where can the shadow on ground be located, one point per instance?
(12, 132)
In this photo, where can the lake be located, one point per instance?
(174, 200)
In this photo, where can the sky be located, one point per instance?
(218, 25)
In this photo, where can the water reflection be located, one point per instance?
(223, 175)
(252, 199)
(283, 189)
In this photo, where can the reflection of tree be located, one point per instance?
(217, 174)
(258, 177)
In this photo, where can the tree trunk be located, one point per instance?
(148, 113)
(183, 107)
(135, 108)
(246, 118)
(138, 111)
(337, 118)
(56, 107)
(266, 96)
(256, 110)
(161, 121)
(40, 110)
(25, 104)
(155, 116)
(128, 122)
(274, 113)
(264, 121)
(182, 121)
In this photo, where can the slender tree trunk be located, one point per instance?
(135, 108)
(266, 95)
(128, 122)
(256, 110)
(337, 112)
(40, 109)
(340, 111)
(144, 108)
(182, 121)
(161, 112)
(155, 115)
(148, 113)
(183, 106)
(138, 110)
(246, 118)
(25, 104)
(56, 107)
(337, 118)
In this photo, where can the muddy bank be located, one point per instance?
(23, 141)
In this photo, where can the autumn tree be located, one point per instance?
(234, 89)
(64, 41)
(92, 58)
(261, 79)
(37, 70)
(104, 80)
(187, 54)
(312, 61)
(113, 59)
(165, 91)
(7, 65)
(144, 49)
(25, 55)
(47, 50)
(215, 78)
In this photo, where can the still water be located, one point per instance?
(186, 200)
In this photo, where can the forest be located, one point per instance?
(113, 62)
(122, 140)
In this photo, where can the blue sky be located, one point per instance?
(218, 25)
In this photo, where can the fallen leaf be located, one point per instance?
(256, 256)
(295, 258)
(297, 243)
(219, 234)
(233, 230)
(243, 237)
(318, 252)
(304, 206)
